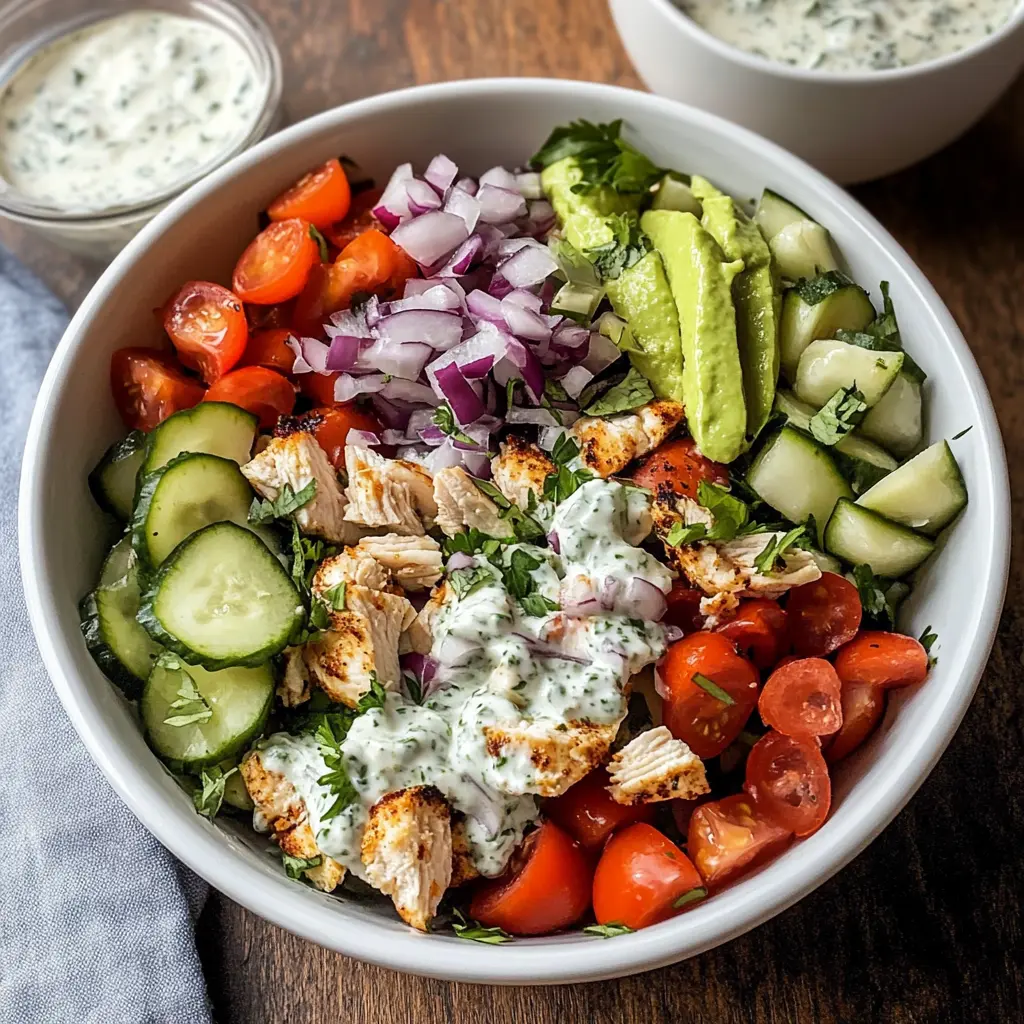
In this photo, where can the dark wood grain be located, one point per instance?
(925, 926)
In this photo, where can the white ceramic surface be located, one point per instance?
(854, 127)
(479, 124)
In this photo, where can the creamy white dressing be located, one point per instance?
(504, 669)
(850, 35)
(124, 110)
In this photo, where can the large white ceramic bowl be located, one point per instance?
(852, 126)
(479, 124)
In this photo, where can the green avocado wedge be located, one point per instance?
(757, 300)
(701, 281)
(640, 294)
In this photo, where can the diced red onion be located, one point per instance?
(672, 633)
(602, 353)
(432, 435)
(463, 258)
(441, 172)
(499, 177)
(554, 542)
(540, 649)
(429, 238)
(361, 439)
(460, 560)
(437, 296)
(454, 651)
(526, 299)
(348, 322)
(510, 246)
(478, 368)
(422, 197)
(528, 267)
(347, 387)
(453, 387)
(609, 592)
(344, 352)
(576, 380)
(465, 206)
(659, 685)
(570, 335)
(485, 306)
(539, 417)
(541, 213)
(529, 186)
(528, 366)
(444, 456)
(310, 355)
(499, 205)
(408, 391)
(437, 328)
(548, 436)
(467, 185)
(400, 360)
(477, 464)
(393, 206)
(642, 600)
(524, 323)
(389, 413)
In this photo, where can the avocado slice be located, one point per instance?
(701, 281)
(640, 294)
(757, 300)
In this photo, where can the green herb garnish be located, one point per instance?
(927, 641)
(284, 504)
(838, 416)
(465, 581)
(627, 247)
(872, 598)
(444, 420)
(321, 243)
(474, 931)
(711, 687)
(519, 582)
(209, 794)
(966, 430)
(295, 867)
(335, 597)
(609, 930)
(631, 392)
(681, 534)
(375, 697)
(471, 542)
(190, 703)
(524, 526)
(774, 551)
(330, 733)
(690, 897)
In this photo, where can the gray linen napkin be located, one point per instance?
(96, 917)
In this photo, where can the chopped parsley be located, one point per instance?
(465, 581)
(209, 794)
(295, 867)
(335, 597)
(966, 430)
(631, 392)
(627, 247)
(524, 526)
(471, 542)
(774, 551)
(321, 243)
(564, 450)
(711, 687)
(444, 420)
(883, 335)
(927, 641)
(691, 897)
(838, 416)
(329, 736)
(681, 534)
(375, 697)
(517, 576)
(190, 705)
(284, 504)
(609, 930)
(877, 608)
(474, 931)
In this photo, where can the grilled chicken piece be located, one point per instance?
(294, 686)
(352, 565)
(608, 445)
(462, 505)
(463, 868)
(415, 562)
(407, 851)
(283, 811)
(656, 766)
(296, 460)
(521, 469)
(389, 493)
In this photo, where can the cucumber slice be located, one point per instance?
(826, 366)
(825, 562)
(221, 598)
(235, 793)
(227, 709)
(895, 421)
(797, 477)
(818, 309)
(123, 650)
(112, 482)
(673, 194)
(775, 212)
(803, 249)
(925, 493)
(119, 560)
(859, 536)
(190, 492)
(215, 428)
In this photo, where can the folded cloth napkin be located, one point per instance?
(96, 917)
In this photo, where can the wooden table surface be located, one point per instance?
(923, 927)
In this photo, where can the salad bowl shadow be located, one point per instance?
(479, 124)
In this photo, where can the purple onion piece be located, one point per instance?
(467, 185)
(499, 205)
(528, 267)
(463, 205)
(441, 172)
(429, 238)
(440, 329)
(361, 439)
(344, 352)
(422, 197)
(460, 560)
(390, 413)
(500, 177)
(556, 544)
(456, 391)
(347, 387)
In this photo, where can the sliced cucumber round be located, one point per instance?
(214, 428)
(859, 536)
(774, 212)
(673, 194)
(862, 462)
(112, 482)
(826, 366)
(119, 560)
(895, 421)
(802, 249)
(221, 598)
(196, 717)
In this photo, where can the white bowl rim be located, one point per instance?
(732, 912)
(811, 75)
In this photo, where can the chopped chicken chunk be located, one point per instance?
(607, 446)
(389, 493)
(294, 686)
(352, 565)
(461, 505)
(415, 562)
(296, 460)
(407, 851)
(656, 766)
(463, 867)
(520, 470)
(280, 806)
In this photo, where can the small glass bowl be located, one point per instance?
(28, 25)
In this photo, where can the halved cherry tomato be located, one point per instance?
(680, 467)
(266, 317)
(727, 836)
(802, 699)
(318, 387)
(789, 781)
(759, 631)
(863, 708)
(206, 325)
(277, 263)
(588, 813)
(360, 218)
(640, 877)
(148, 387)
(263, 392)
(330, 426)
(823, 615)
(322, 197)
(546, 886)
(268, 347)
(682, 812)
(684, 607)
(692, 714)
(882, 659)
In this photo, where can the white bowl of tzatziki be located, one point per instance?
(859, 88)
(107, 116)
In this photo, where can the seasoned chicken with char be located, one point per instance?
(655, 766)
(609, 444)
(461, 505)
(520, 470)
(388, 493)
(414, 562)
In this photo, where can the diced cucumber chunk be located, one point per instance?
(860, 536)
(817, 309)
(925, 493)
(673, 194)
(119, 560)
(862, 462)
(895, 421)
(112, 482)
(797, 477)
(826, 366)
(196, 717)
(803, 249)
(215, 428)
(190, 492)
(774, 212)
(825, 562)
(796, 412)
(221, 598)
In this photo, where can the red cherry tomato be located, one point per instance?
(318, 387)
(692, 713)
(863, 708)
(883, 659)
(789, 781)
(728, 836)
(360, 218)
(263, 392)
(684, 607)
(758, 631)
(823, 615)
(588, 813)
(330, 426)
(265, 317)
(206, 325)
(545, 888)
(802, 699)
(148, 387)
(641, 876)
(268, 347)
(679, 467)
(277, 263)
(322, 197)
